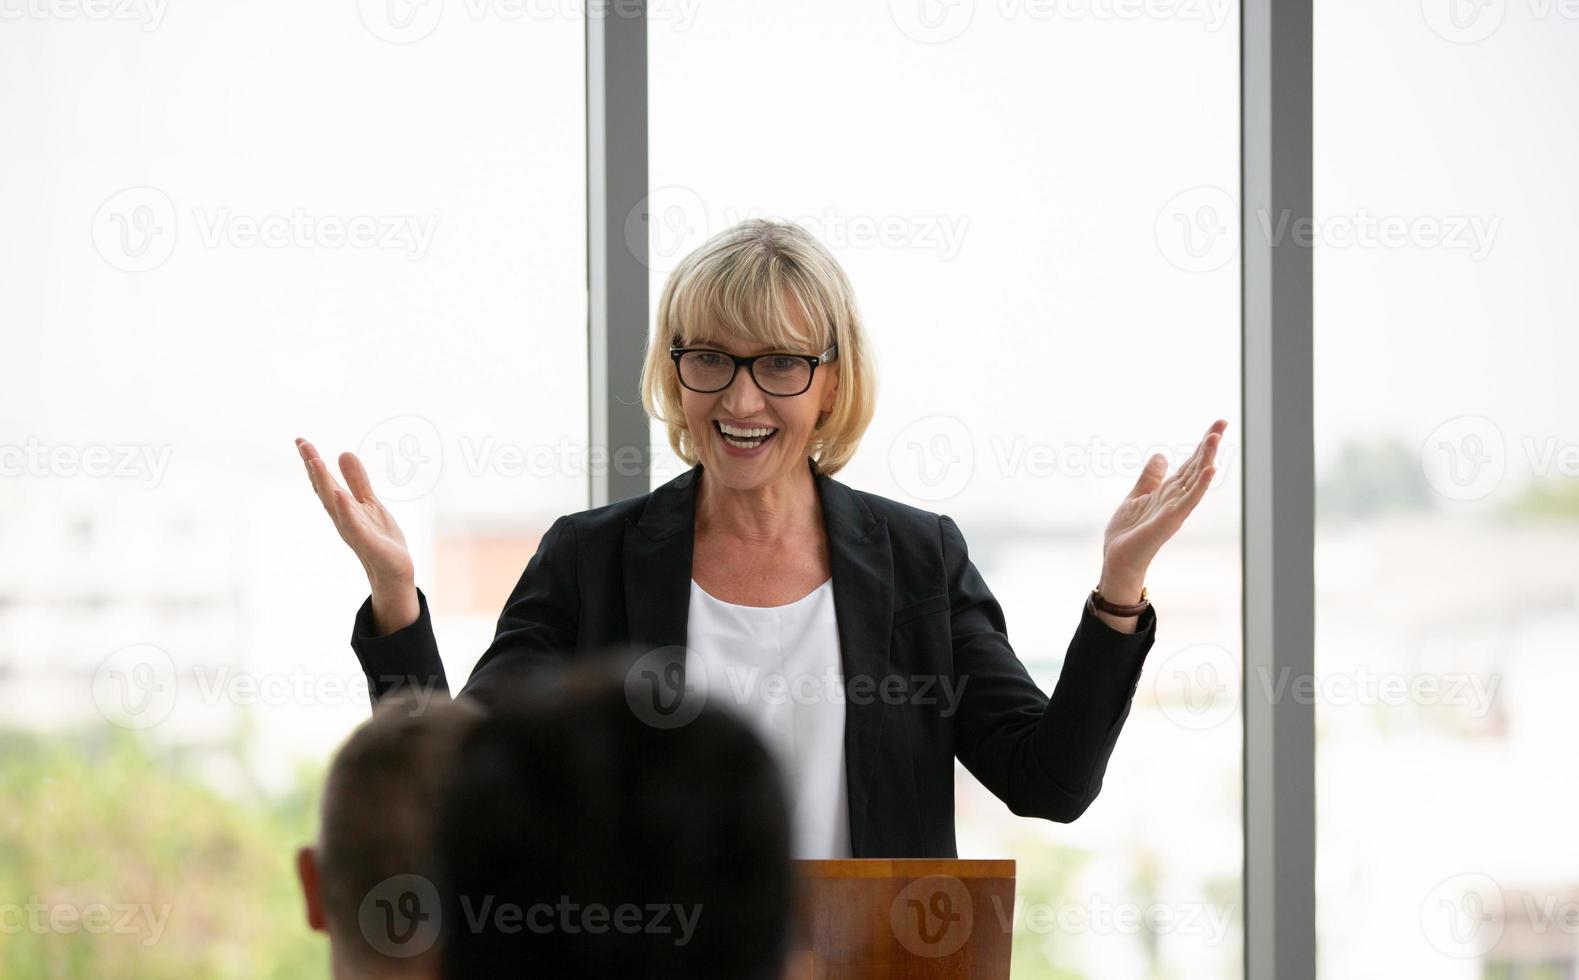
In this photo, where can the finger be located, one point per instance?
(1197, 489)
(356, 476)
(1197, 459)
(1150, 475)
(324, 483)
(305, 448)
(1181, 476)
(1204, 453)
(321, 481)
(308, 454)
(1217, 430)
(1213, 440)
(1201, 486)
(1188, 466)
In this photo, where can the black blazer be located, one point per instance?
(912, 613)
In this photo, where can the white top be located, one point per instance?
(779, 668)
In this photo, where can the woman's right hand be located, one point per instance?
(372, 534)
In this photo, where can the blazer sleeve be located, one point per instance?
(539, 624)
(1043, 757)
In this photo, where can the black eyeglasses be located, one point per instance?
(780, 374)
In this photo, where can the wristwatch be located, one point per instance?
(1112, 608)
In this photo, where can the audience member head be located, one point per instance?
(577, 840)
(369, 882)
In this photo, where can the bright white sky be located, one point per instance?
(1025, 165)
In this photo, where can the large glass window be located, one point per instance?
(1036, 204)
(1447, 545)
(228, 224)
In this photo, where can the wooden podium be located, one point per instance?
(880, 919)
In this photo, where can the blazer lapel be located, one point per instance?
(863, 598)
(658, 552)
(658, 566)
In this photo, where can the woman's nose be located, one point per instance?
(743, 397)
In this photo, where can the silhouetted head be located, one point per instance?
(369, 882)
(579, 841)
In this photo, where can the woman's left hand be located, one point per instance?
(1154, 510)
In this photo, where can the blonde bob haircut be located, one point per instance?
(764, 282)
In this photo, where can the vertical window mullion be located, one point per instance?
(618, 440)
(1279, 492)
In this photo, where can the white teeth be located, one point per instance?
(738, 432)
(751, 442)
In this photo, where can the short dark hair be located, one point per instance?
(379, 810)
(568, 803)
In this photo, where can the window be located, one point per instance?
(1447, 522)
(1048, 191)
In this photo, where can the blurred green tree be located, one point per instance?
(194, 884)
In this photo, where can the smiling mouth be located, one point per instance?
(740, 442)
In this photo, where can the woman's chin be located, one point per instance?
(743, 471)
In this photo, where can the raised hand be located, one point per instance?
(371, 533)
(1153, 511)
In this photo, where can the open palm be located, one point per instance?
(362, 521)
(1156, 508)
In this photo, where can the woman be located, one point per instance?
(757, 572)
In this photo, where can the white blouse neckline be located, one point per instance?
(788, 605)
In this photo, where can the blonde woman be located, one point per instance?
(852, 631)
